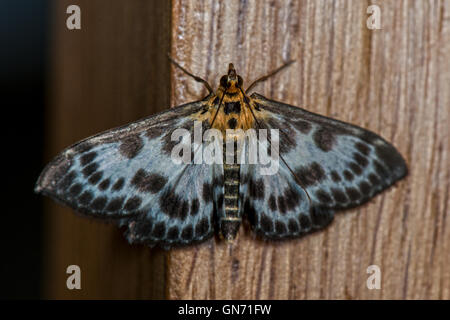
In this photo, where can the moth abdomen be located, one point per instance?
(230, 222)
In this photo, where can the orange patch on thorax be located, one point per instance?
(234, 111)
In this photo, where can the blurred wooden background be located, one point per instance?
(394, 81)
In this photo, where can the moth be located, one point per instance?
(126, 174)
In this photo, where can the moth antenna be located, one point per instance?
(272, 73)
(196, 78)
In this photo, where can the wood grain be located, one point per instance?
(394, 81)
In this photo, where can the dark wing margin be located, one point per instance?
(126, 175)
(338, 165)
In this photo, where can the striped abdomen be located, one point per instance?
(230, 222)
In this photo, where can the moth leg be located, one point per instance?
(272, 73)
(198, 79)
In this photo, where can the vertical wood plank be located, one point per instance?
(393, 81)
(112, 71)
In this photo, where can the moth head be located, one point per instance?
(232, 79)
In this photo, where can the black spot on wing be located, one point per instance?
(148, 182)
(195, 205)
(324, 139)
(85, 198)
(287, 135)
(324, 197)
(365, 188)
(115, 204)
(360, 159)
(374, 180)
(305, 222)
(87, 158)
(169, 202)
(67, 181)
(281, 204)
(133, 203)
(292, 197)
(256, 188)
(280, 228)
(363, 148)
(310, 175)
(293, 226)
(104, 184)
(355, 168)
(177, 208)
(302, 126)
(187, 233)
(98, 203)
(173, 233)
(95, 178)
(202, 228)
(250, 213)
(207, 192)
(339, 196)
(75, 189)
(183, 210)
(90, 169)
(353, 193)
(321, 217)
(266, 223)
(159, 230)
(131, 146)
(119, 184)
(220, 201)
(348, 175)
(168, 144)
(142, 226)
(155, 132)
(335, 176)
(272, 203)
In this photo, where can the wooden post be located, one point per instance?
(393, 81)
(112, 71)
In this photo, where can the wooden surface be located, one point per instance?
(394, 81)
(112, 71)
